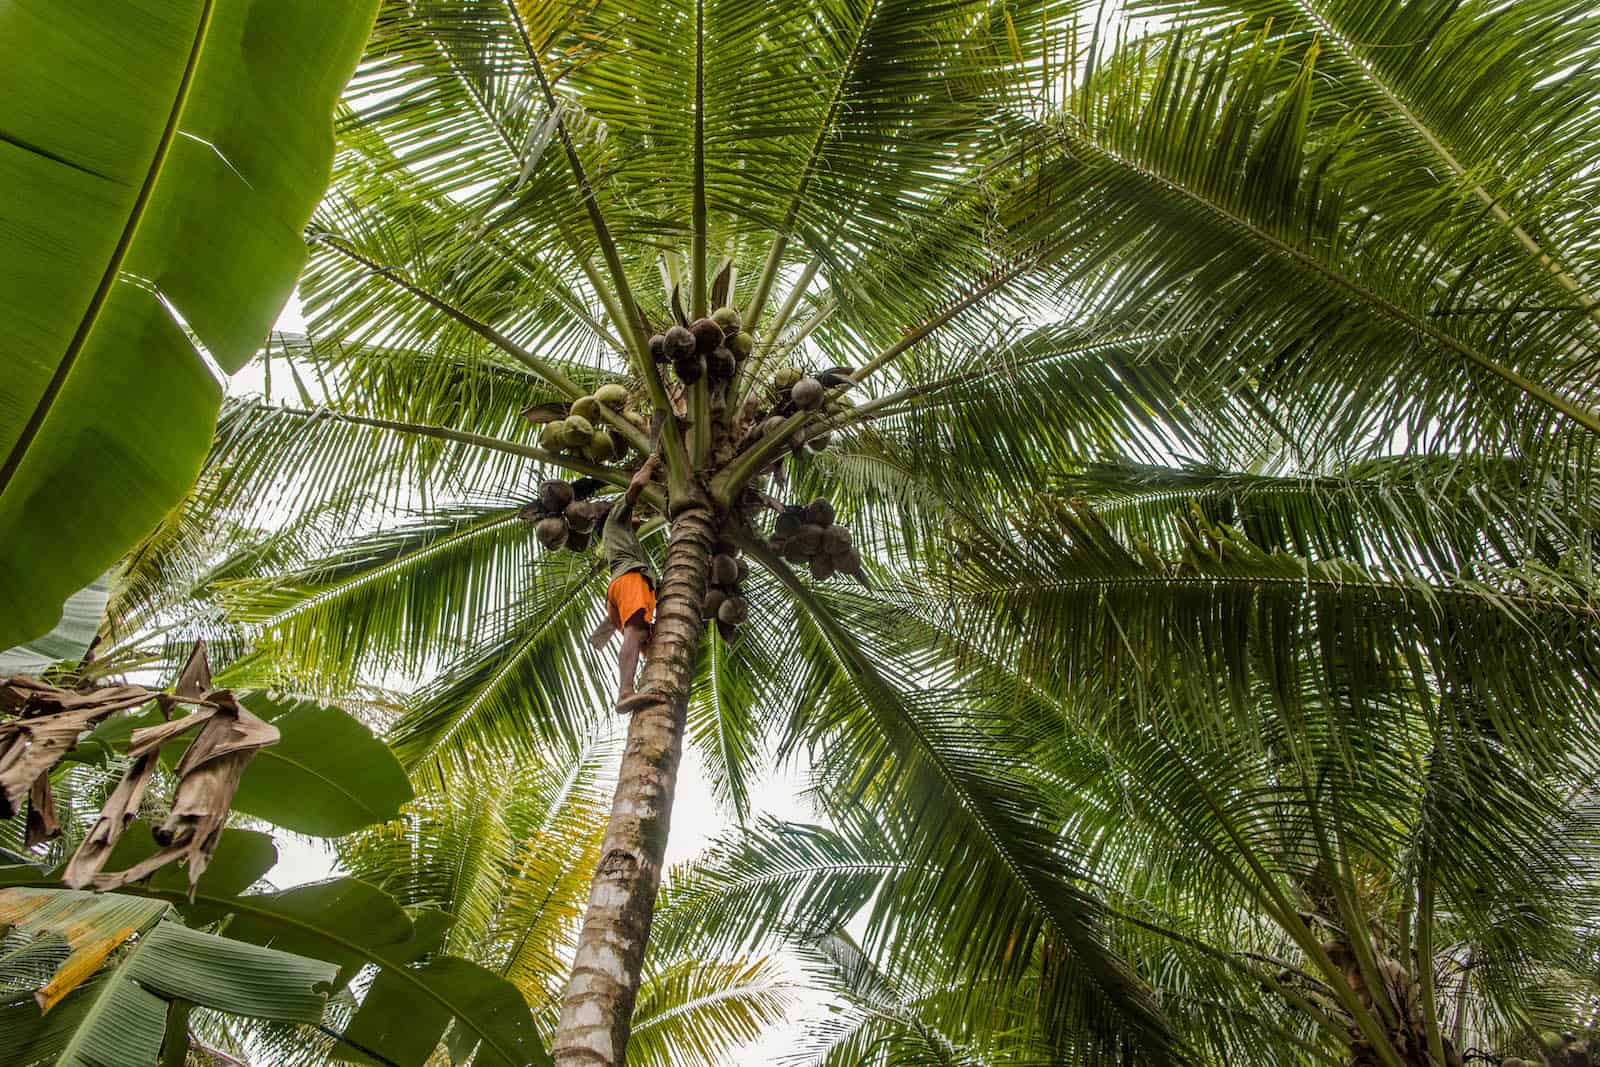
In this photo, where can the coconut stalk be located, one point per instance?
(597, 1008)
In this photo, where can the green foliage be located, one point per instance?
(118, 1015)
(153, 204)
(1222, 454)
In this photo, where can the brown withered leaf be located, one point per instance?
(42, 822)
(50, 723)
(208, 775)
(539, 414)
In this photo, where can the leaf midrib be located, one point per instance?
(242, 904)
(91, 314)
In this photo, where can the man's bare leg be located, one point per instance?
(633, 638)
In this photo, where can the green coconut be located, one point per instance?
(639, 419)
(578, 433)
(555, 495)
(601, 447)
(587, 406)
(724, 570)
(728, 319)
(553, 435)
(786, 377)
(806, 393)
(713, 601)
(612, 395)
(707, 335)
(734, 610)
(551, 532)
(741, 345)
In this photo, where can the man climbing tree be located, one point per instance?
(631, 596)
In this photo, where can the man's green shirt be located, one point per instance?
(621, 545)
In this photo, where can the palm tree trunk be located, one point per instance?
(598, 1005)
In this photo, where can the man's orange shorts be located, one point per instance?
(628, 595)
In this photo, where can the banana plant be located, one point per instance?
(160, 159)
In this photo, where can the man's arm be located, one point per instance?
(642, 478)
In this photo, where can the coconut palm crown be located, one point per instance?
(1210, 399)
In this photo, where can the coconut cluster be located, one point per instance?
(560, 520)
(808, 534)
(725, 603)
(710, 348)
(583, 432)
(794, 391)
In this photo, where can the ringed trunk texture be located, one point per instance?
(598, 1006)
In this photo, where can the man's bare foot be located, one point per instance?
(632, 702)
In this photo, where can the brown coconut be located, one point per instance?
(551, 532)
(724, 570)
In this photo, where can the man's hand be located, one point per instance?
(643, 477)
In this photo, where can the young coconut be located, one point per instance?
(679, 342)
(734, 610)
(741, 345)
(724, 570)
(806, 393)
(553, 435)
(555, 495)
(612, 395)
(728, 319)
(578, 432)
(551, 532)
(786, 377)
(820, 512)
(658, 348)
(587, 406)
(601, 447)
(707, 335)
